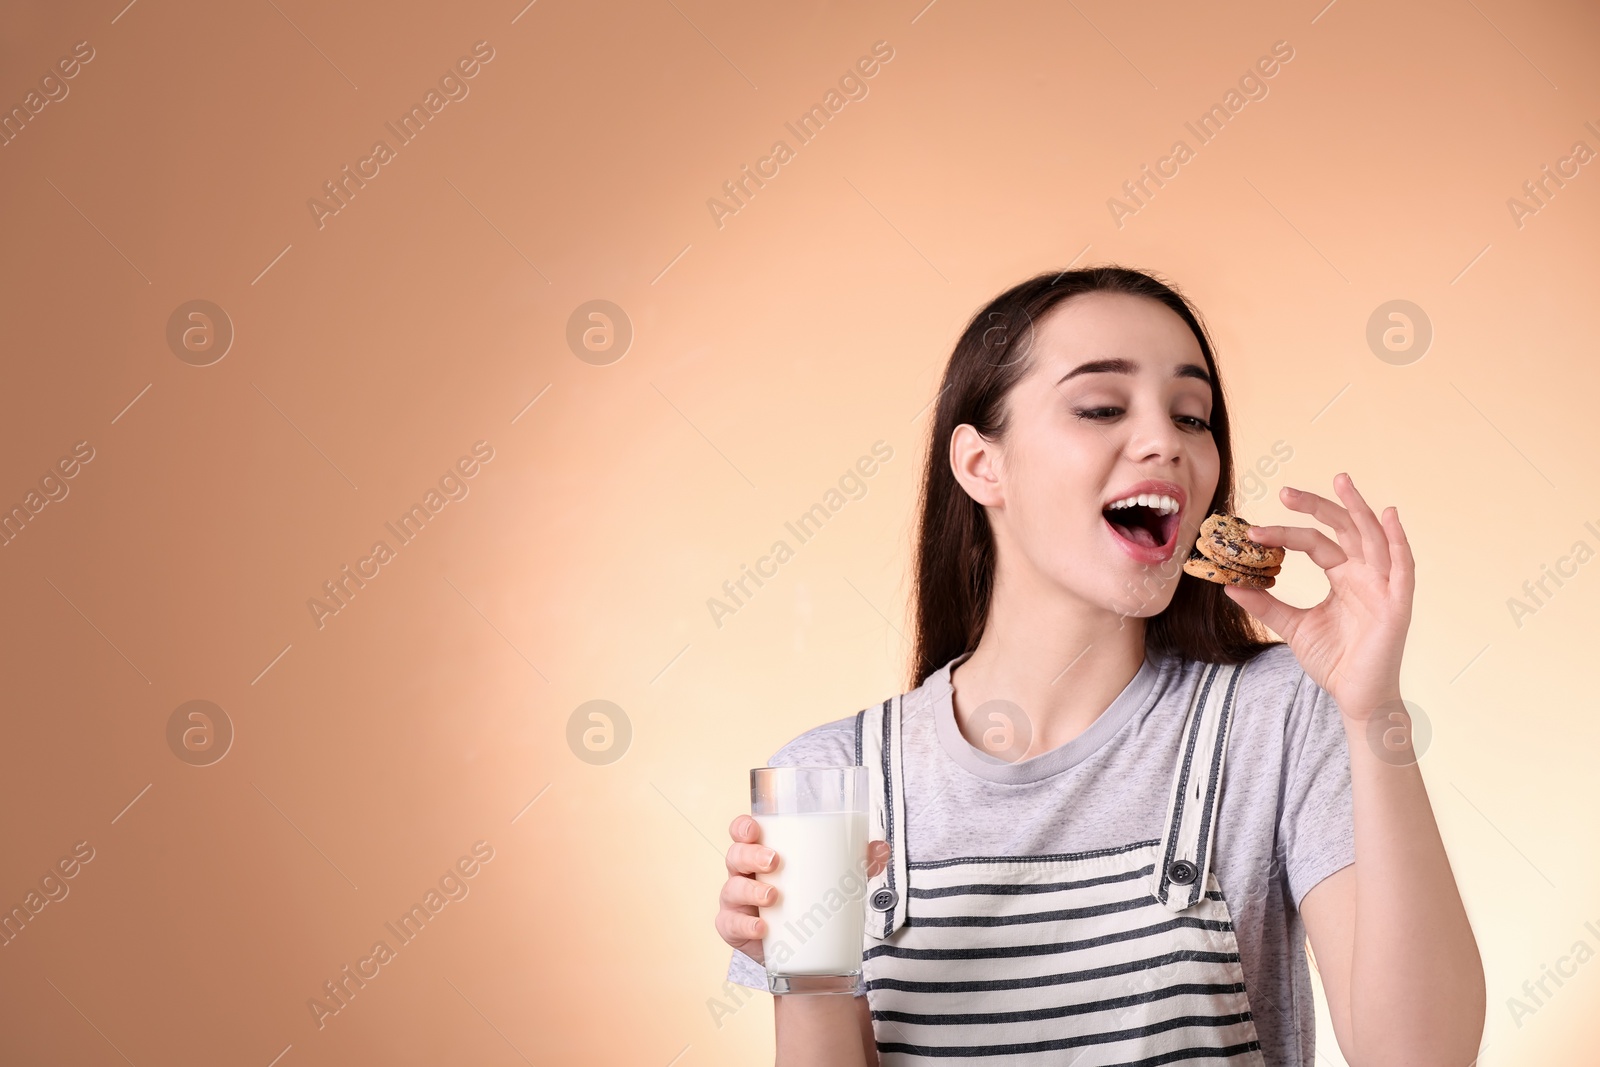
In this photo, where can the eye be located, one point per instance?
(1095, 414)
(1193, 422)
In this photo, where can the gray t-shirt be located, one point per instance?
(1284, 821)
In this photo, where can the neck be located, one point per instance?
(1061, 660)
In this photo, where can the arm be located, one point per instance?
(1394, 947)
(1399, 963)
(823, 1030)
(869, 1042)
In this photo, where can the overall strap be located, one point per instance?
(878, 749)
(1184, 858)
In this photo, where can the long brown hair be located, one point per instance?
(954, 559)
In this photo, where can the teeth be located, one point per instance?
(1164, 504)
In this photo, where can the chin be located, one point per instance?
(1142, 598)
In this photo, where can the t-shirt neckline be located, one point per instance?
(1133, 697)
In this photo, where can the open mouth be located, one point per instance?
(1143, 524)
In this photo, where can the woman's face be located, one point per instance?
(1116, 405)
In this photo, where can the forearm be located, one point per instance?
(1417, 983)
(818, 1030)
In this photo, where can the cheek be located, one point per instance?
(1063, 492)
(1208, 467)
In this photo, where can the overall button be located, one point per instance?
(1182, 872)
(885, 900)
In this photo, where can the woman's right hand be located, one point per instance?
(738, 917)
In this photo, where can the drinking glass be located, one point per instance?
(815, 819)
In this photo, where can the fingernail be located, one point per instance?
(1291, 490)
(766, 896)
(767, 857)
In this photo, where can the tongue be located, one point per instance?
(1137, 534)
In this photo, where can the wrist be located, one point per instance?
(1357, 711)
(1391, 731)
(819, 1029)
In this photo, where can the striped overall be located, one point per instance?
(1123, 955)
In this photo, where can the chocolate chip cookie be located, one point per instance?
(1224, 553)
(1226, 539)
(1227, 573)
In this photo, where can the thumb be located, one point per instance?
(877, 857)
(1283, 618)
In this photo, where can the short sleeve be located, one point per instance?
(1316, 823)
(832, 744)
(742, 970)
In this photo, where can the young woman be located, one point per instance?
(1065, 875)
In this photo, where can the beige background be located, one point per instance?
(768, 354)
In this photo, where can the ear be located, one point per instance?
(976, 463)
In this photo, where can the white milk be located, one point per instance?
(817, 852)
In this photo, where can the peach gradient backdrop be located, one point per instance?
(768, 354)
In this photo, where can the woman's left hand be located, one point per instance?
(1351, 643)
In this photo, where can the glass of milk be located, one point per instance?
(815, 819)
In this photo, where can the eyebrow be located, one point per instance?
(1127, 366)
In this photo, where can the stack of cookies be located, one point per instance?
(1225, 554)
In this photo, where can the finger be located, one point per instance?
(750, 859)
(1314, 543)
(1329, 513)
(1283, 618)
(1374, 541)
(737, 927)
(744, 828)
(742, 892)
(1403, 574)
(877, 857)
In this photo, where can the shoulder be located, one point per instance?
(838, 743)
(833, 744)
(1273, 690)
(1278, 703)
(1274, 676)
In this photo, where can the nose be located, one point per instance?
(1154, 437)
